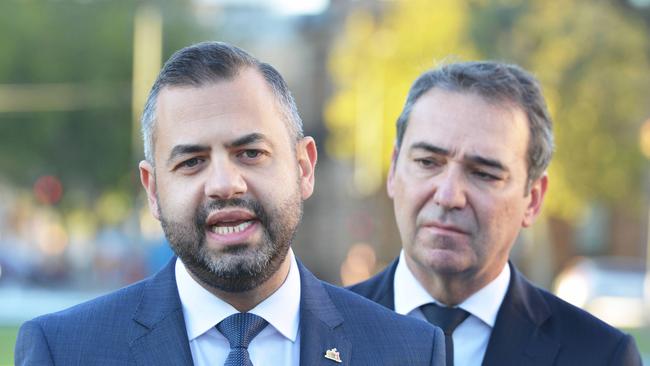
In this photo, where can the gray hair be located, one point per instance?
(495, 82)
(207, 62)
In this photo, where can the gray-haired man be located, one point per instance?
(468, 172)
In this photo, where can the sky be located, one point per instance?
(285, 7)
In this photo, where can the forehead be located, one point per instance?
(466, 123)
(222, 109)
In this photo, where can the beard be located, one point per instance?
(242, 267)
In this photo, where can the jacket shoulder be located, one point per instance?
(357, 307)
(369, 287)
(581, 336)
(584, 331)
(378, 288)
(100, 326)
(366, 320)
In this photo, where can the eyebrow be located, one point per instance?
(186, 149)
(179, 150)
(476, 159)
(246, 139)
(430, 148)
(492, 163)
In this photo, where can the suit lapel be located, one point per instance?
(163, 340)
(386, 286)
(321, 324)
(517, 338)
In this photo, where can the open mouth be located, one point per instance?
(231, 226)
(225, 228)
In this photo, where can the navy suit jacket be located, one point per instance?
(534, 327)
(143, 324)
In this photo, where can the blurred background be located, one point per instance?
(74, 75)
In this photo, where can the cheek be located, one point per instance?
(400, 204)
(414, 201)
(500, 221)
(177, 199)
(273, 193)
(407, 204)
(279, 182)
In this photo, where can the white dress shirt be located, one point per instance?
(277, 344)
(471, 336)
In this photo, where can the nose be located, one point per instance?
(225, 180)
(450, 189)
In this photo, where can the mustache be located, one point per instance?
(246, 203)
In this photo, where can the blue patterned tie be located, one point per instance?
(447, 319)
(240, 329)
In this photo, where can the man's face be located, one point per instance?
(229, 180)
(458, 185)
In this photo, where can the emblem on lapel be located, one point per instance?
(333, 354)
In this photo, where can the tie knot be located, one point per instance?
(241, 328)
(446, 318)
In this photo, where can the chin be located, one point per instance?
(446, 262)
(231, 272)
(236, 261)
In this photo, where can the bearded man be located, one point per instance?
(226, 170)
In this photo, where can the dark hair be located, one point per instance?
(495, 82)
(208, 62)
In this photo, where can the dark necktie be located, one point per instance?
(447, 319)
(240, 329)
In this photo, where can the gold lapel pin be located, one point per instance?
(333, 354)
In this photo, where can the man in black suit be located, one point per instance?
(468, 172)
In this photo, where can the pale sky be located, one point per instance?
(285, 7)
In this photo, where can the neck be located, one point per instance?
(449, 289)
(247, 300)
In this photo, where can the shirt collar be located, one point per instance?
(409, 293)
(483, 304)
(202, 310)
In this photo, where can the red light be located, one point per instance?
(48, 189)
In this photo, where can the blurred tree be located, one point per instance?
(373, 64)
(591, 57)
(65, 84)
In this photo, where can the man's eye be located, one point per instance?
(190, 163)
(251, 154)
(427, 162)
(486, 176)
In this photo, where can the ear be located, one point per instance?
(536, 197)
(148, 179)
(307, 155)
(391, 173)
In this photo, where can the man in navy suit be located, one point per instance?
(226, 170)
(468, 172)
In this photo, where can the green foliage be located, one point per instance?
(373, 64)
(84, 50)
(7, 341)
(590, 56)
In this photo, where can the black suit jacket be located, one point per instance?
(143, 324)
(534, 327)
